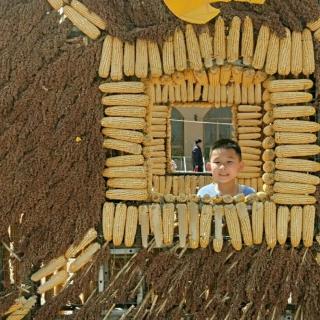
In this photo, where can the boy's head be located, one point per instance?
(225, 160)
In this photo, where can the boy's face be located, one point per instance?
(225, 164)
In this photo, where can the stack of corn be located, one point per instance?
(20, 308)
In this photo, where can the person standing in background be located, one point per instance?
(197, 160)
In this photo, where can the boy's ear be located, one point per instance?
(241, 165)
(208, 166)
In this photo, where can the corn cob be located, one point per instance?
(249, 123)
(81, 22)
(233, 40)
(295, 150)
(251, 150)
(297, 165)
(249, 136)
(271, 66)
(129, 59)
(261, 47)
(293, 111)
(193, 213)
(144, 223)
(155, 183)
(308, 225)
(295, 225)
(223, 96)
(252, 163)
(247, 42)
(193, 49)
(141, 65)
(107, 220)
(257, 222)
(245, 225)
(230, 95)
(49, 268)
(126, 135)
(249, 115)
(267, 106)
(121, 145)
(127, 183)
(290, 97)
(56, 279)
(296, 53)
(244, 94)
(125, 172)
(119, 223)
(289, 85)
(205, 225)
(168, 56)
(248, 77)
(122, 87)
(249, 129)
(201, 77)
(116, 72)
(180, 52)
(183, 223)
(251, 94)
(294, 138)
(165, 93)
(18, 304)
(183, 91)
(168, 223)
(225, 74)
(268, 130)
(268, 143)
(282, 224)
(268, 166)
(294, 188)
(128, 160)
(268, 117)
(296, 177)
(314, 25)
(251, 157)
(217, 96)
(293, 199)
(21, 312)
(197, 91)
(249, 143)
(105, 61)
(259, 77)
(123, 123)
(308, 61)
(131, 226)
(218, 238)
(233, 226)
(154, 59)
(156, 221)
(123, 111)
(270, 223)
(56, 4)
(284, 62)
(205, 42)
(72, 251)
(214, 76)
(296, 126)
(219, 41)
(141, 100)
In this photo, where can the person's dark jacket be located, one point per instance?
(197, 160)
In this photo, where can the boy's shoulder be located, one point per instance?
(246, 189)
(211, 190)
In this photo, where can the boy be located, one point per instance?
(225, 164)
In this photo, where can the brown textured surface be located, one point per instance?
(49, 95)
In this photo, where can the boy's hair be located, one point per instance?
(227, 144)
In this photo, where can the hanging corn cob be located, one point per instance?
(219, 41)
(154, 59)
(119, 223)
(193, 213)
(295, 225)
(183, 223)
(116, 72)
(284, 62)
(307, 53)
(180, 52)
(233, 40)
(156, 222)
(247, 42)
(308, 225)
(233, 226)
(141, 66)
(193, 49)
(205, 225)
(261, 47)
(129, 59)
(206, 49)
(168, 223)
(144, 223)
(270, 223)
(218, 238)
(271, 66)
(282, 224)
(105, 61)
(56, 4)
(296, 53)
(131, 226)
(257, 222)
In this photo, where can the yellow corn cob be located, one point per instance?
(183, 223)
(217, 97)
(230, 95)
(247, 42)
(123, 111)
(20, 313)
(296, 177)
(252, 163)
(123, 123)
(248, 123)
(184, 93)
(180, 52)
(294, 188)
(125, 172)
(293, 199)
(293, 111)
(295, 225)
(194, 55)
(187, 184)
(56, 4)
(165, 93)
(128, 160)
(49, 268)
(296, 53)
(205, 42)
(181, 184)
(119, 223)
(126, 135)
(284, 62)
(259, 77)
(18, 304)
(168, 223)
(141, 65)
(56, 279)
(223, 96)
(308, 61)
(201, 77)
(314, 25)
(290, 97)
(122, 87)
(81, 22)
(219, 41)
(116, 72)
(295, 126)
(271, 66)
(193, 213)
(267, 106)
(282, 224)
(131, 226)
(297, 150)
(88, 14)
(248, 77)
(308, 225)
(245, 225)
(268, 166)
(233, 226)
(251, 94)
(249, 115)
(244, 94)
(205, 225)
(297, 165)
(294, 138)
(261, 47)
(129, 59)
(225, 74)
(248, 136)
(156, 221)
(248, 129)
(105, 61)
(107, 220)
(168, 56)
(268, 143)
(120, 145)
(268, 117)
(251, 157)
(270, 223)
(257, 222)
(127, 194)
(237, 74)
(154, 59)
(155, 182)
(127, 183)
(251, 150)
(162, 184)
(268, 130)
(249, 143)
(214, 76)
(190, 91)
(72, 251)
(218, 238)
(141, 100)
(168, 184)
(78, 263)
(233, 40)
(211, 93)
(197, 91)
(289, 85)
(144, 223)
(171, 94)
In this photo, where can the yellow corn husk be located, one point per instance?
(295, 126)
(268, 143)
(127, 183)
(284, 63)
(294, 138)
(81, 22)
(248, 129)
(72, 251)
(294, 188)
(88, 14)
(206, 49)
(297, 165)
(127, 194)
(120, 145)
(247, 42)
(233, 40)
(49, 268)
(201, 77)
(168, 223)
(244, 94)
(107, 220)
(144, 223)
(119, 223)
(282, 224)
(290, 97)
(218, 238)
(233, 226)
(122, 87)
(168, 185)
(214, 76)
(106, 54)
(139, 100)
(308, 225)
(261, 47)
(56, 279)
(296, 53)
(308, 54)
(154, 59)
(271, 66)
(296, 177)
(83, 258)
(193, 49)
(56, 4)
(248, 77)
(141, 65)
(116, 72)
(193, 213)
(245, 225)
(180, 51)
(126, 111)
(156, 221)
(131, 226)
(295, 225)
(168, 56)
(183, 223)
(123, 123)
(125, 172)
(219, 41)
(293, 112)
(248, 136)
(270, 223)
(257, 222)
(297, 150)
(259, 77)
(225, 74)
(292, 199)
(205, 225)
(126, 135)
